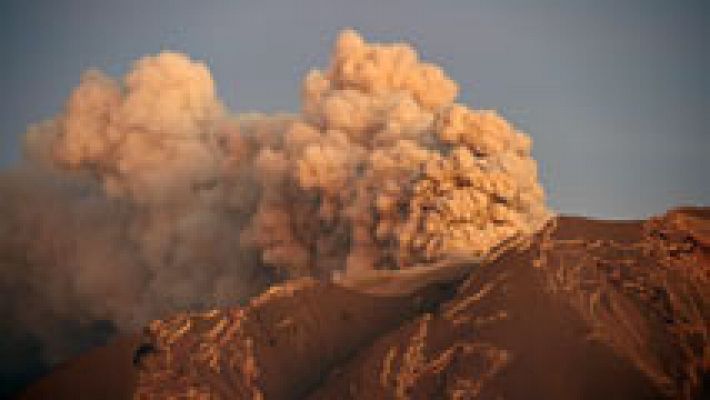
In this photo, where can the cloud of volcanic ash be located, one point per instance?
(146, 196)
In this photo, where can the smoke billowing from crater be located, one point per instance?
(146, 195)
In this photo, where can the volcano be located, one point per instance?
(584, 309)
(386, 241)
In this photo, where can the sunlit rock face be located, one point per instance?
(587, 309)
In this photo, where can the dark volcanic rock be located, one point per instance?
(105, 373)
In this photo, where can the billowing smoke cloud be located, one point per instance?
(146, 196)
(382, 170)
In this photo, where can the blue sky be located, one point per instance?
(615, 94)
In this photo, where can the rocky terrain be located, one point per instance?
(585, 309)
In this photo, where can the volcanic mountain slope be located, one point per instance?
(584, 310)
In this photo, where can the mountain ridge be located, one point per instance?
(589, 309)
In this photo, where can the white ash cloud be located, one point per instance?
(147, 196)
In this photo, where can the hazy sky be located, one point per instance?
(616, 94)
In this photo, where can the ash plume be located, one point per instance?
(146, 195)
